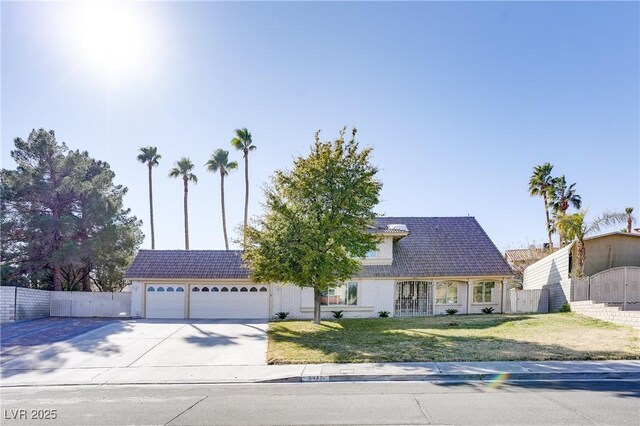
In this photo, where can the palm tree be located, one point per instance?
(219, 161)
(575, 228)
(541, 184)
(149, 156)
(242, 142)
(630, 218)
(184, 168)
(563, 197)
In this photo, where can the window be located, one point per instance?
(371, 254)
(254, 289)
(235, 289)
(243, 289)
(483, 291)
(263, 289)
(160, 288)
(169, 288)
(179, 289)
(195, 289)
(224, 289)
(205, 288)
(446, 293)
(346, 294)
(214, 289)
(151, 289)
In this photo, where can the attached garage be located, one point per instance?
(165, 301)
(198, 284)
(229, 301)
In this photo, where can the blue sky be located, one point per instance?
(459, 100)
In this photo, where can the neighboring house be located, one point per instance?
(603, 252)
(519, 259)
(422, 266)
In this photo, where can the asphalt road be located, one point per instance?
(518, 403)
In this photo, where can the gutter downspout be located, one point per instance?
(469, 294)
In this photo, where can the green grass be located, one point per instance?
(532, 337)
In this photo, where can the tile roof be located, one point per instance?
(441, 247)
(435, 247)
(522, 255)
(202, 264)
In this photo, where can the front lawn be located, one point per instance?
(532, 337)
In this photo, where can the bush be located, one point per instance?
(451, 311)
(487, 310)
(337, 314)
(383, 314)
(282, 315)
(565, 308)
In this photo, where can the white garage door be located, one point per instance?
(165, 301)
(229, 301)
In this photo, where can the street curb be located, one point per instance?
(613, 375)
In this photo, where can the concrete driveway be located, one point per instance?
(149, 343)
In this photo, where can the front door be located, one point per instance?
(414, 298)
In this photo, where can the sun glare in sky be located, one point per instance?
(114, 38)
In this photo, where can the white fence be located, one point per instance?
(90, 304)
(617, 286)
(527, 301)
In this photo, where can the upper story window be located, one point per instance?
(483, 292)
(446, 293)
(371, 254)
(345, 294)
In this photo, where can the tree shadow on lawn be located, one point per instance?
(425, 340)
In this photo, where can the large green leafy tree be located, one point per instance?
(219, 162)
(316, 217)
(183, 168)
(541, 184)
(150, 157)
(62, 218)
(244, 142)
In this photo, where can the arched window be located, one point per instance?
(180, 289)
(205, 288)
(234, 289)
(195, 289)
(224, 289)
(214, 289)
(151, 289)
(254, 289)
(170, 289)
(263, 289)
(160, 288)
(244, 289)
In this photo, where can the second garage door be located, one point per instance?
(229, 301)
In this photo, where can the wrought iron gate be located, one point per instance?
(414, 298)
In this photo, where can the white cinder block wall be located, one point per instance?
(18, 303)
(7, 304)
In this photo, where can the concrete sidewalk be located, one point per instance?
(424, 371)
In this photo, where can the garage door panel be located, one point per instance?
(165, 301)
(229, 301)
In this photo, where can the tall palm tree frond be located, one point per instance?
(243, 141)
(183, 168)
(149, 155)
(604, 220)
(220, 161)
(564, 196)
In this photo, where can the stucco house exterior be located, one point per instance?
(606, 251)
(422, 266)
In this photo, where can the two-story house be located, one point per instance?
(422, 266)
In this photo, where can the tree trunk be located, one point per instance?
(224, 218)
(549, 230)
(86, 279)
(246, 194)
(581, 257)
(186, 214)
(629, 223)
(57, 243)
(153, 235)
(316, 305)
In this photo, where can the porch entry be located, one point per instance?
(413, 298)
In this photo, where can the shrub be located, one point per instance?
(451, 311)
(487, 310)
(337, 314)
(282, 315)
(565, 308)
(383, 314)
